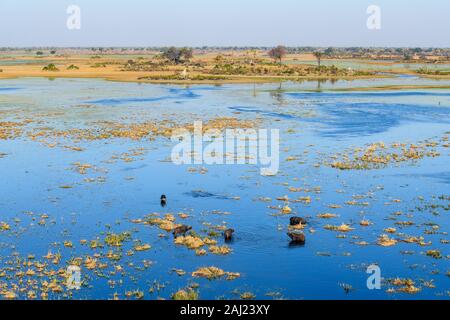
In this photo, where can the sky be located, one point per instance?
(340, 23)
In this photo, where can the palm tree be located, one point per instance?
(318, 56)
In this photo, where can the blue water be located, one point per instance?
(177, 95)
(303, 95)
(313, 126)
(8, 89)
(14, 62)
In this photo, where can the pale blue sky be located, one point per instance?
(225, 23)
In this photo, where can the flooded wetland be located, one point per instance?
(84, 163)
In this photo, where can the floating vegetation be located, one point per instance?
(190, 241)
(142, 247)
(404, 223)
(12, 130)
(390, 230)
(232, 275)
(212, 273)
(116, 240)
(247, 296)
(166, 223)
(200, 252)
(327, 215)
(68, 244)
(334, 206)
(418, 240)
(136, 294)
(283, 198)
(385, 241)
(186, 294)
(179, 272)
(378, 155)
(436, 254)
(342, 228)
(404, 286)
(82, 168)
(220, 250)
(115, 130)
(9, 295)
(4, 226)
(90, 263)
(286, 210)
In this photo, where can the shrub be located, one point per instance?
(50, 67)
(99, 65)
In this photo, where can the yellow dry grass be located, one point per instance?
(385, 241)
(190, 241)
(219, 250)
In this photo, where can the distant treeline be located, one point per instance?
(328, 51)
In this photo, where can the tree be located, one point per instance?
(278, 53)
(187, 53)
(329, 51)
(178, 55)
(318, 56)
